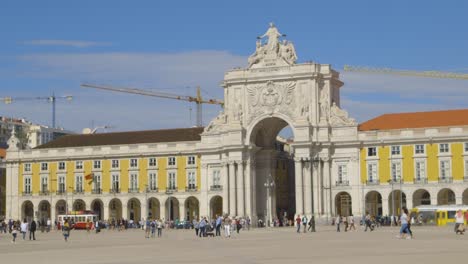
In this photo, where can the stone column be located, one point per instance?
(240, 189)
(162, 210)
(385, 207)
(248, 189)
(144, 208)
(232, 188)
(299, 186)
(203, 185)
(182, 214)
(105, 207)
(253, 172)
(307, 189)
(315, 186)
(225, 187)
(125, 210)
(327, 205)
(53, 217)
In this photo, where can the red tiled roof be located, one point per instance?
(417, 120)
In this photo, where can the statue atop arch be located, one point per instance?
(272, 52)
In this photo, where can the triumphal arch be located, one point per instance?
(271, 93)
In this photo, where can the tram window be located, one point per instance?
(451, 214)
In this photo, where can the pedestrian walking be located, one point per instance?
(160, 225)
(298, 223)
(404, 225)
(147, 228)
(459, 223)
(351, 223)
(367, 222)
(312, 224)
(202, 226)
(227, 226)
(14, 232)
(32, 230)
(219, 221)
(24, 228)
(337, 222)
(66, 230)
(345, 222)
(196, 226)
(238, 225)
(304, 222)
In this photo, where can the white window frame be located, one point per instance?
(191, 160)
(191, 180)
(97, 164)
(423, 169)
(27, 182)
(395, 170)
(152, 162)
(79, 165)
(375, 173)
(172, 161)
(114, 162)
(60, 182)
(368, 149)
(465, 147)
(152, 183)
(79, 183)
(115, 178)
(445, 173)
(44, 166)
(133, 181)
(447, 150)
(27, 168)
(64, 166)
(216, 177)
(44, 181)
(416, 149)
(342, 172)
(97, 181)
(396, 149)
(134, 163)
(465, 162)
(169, 176)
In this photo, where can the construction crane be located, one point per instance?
(195, 99)
(426, 74)
(52, 99)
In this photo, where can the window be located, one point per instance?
(115, 184)
(44, 184)
(133, 182)
(396, 171)
(171, 161)
(372, 172)
(44, 166)
(191, 180)
(396, 150)
(372, 152)
(97, 164)
(171, 180)
(61, 184)
(444, 169)
(133, 163)
(444, 148)
(466, 169)
(61, 165)
(191, 160)
(79, 183)
(342, 173)
(420, 170)
(115, 164)
(97, 183)
(79, 165)
(152, 181)
(152, 162)
(27, 167)
(419, 149)
(216, 178)
(466, 146)
(27, 185)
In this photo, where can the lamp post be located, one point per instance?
(393, 199)
(146, 201)
(270, 183)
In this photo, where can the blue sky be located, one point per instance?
(53, 46)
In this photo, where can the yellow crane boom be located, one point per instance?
(195, 99)
(426, 74)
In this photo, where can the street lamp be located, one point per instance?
(270, 183)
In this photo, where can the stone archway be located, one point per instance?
(397, 200)
(79, 205)
(273, 174)
(60, 207)
(374, 203)
(27, 211)
(216, 206)
(43, 211)
(446, 197)
(115, 209)
(421, 197)
(172, 209)
(134, 210)
(343, 204)
(192, 209)
(154, 208)
(97, 206)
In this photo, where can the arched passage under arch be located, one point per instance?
(115, 209)
(172, 208)
(27, 211)
(61, 207)
(374, 203)
(343, 204)
(216, 206)
(97, 206)
(446, 197)
(44, 211)
(154, 208)
(465, 197)
(134, 209)
(192, 209)
(396, 201)
(79, 205)
(421, 197)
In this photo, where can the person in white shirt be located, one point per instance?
(24, 228)
(459, 223)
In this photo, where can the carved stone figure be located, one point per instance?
(324, 104)
(288, 52)
(339, 116)
(257, 56)
(217, 123)
(273, 38)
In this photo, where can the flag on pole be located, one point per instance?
(90, 178)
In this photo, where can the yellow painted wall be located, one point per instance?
(384, 164)
(53, 166)
(457, 161)
(124, 165)
(408, 163)
(20, 178)
(70, 177)
(181, 163)
(106, 175)
(363, 165)
(35, 181)
(143, 174)
(432, 151)
(87, 166)
(162, 174)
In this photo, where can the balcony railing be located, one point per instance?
(342, 183)
(96, 191)
(77, 191)
(373, 182)
(27, 193)
(446, 180)
(170, 190)
(60, 192)
(133, 190)
(191, 189)
(44, 193)
(216, 187)
(114, 190)
(152, 190)
(420, 181)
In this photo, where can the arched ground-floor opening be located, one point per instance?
(43, 212)
(192, 209)
(374, 203)
(115, 209)
(343, 204)
(216, 206)
(172, 209)
(27, 211)
(446, 197)
(396, 201)
(154, 208)
(421, 197)
(79, 205)
(134, 209)
(97, 206)
(60, 208)
(465, 197)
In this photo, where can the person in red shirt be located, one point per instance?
(298, 223)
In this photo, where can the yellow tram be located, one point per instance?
(439, 215)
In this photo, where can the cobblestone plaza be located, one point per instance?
(274, 245)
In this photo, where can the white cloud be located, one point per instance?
(67, 43)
